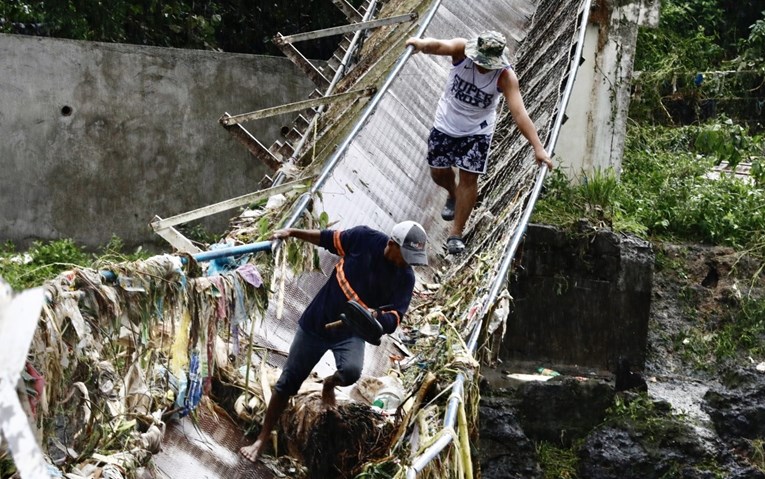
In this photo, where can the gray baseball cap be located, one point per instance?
(411, 236)
(488, 50)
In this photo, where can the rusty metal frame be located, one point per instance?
(301, 62)
(353, 27)
(348, 10)
(296, 106)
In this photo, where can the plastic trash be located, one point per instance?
(547, 372)
(390, 394)
(388, 399)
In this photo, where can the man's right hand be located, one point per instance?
(281, 234)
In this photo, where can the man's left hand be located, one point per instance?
(542, 157)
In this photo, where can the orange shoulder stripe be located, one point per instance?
(338, 243)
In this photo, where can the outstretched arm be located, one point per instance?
(508, 82)
(312, 236)
(454, 47)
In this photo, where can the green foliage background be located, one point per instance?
(665, 190)
(228, 25)
(716, 66)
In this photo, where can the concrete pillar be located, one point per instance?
(593, 136)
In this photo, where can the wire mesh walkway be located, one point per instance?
(381, 178)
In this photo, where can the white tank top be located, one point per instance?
(468, 105)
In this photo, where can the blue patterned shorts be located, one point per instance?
(467, 153)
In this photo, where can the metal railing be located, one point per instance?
(450, 417)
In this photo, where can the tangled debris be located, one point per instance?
(122, 351)
(335, 442)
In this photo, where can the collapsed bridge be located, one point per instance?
(205, 323)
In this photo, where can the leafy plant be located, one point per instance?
(40, 262)
(598, 190)
(751, 48)
(726, 141)
(557, 462)
(666, 189)
(44, 260)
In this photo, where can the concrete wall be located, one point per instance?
(593, 136)
(98, 138)
(580, 299)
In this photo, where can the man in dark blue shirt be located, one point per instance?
(375, 271)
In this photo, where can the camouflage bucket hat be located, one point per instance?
(488, 50)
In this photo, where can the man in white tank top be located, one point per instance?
(465, 118)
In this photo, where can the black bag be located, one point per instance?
(362, 323)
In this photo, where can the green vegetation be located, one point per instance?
(557, 462)
(682, 126)
(45, 260)
(666, 191)
(686, 75)
(228, 25)
(677, 135)
(757, 455)
(639, 409)
(739, 334)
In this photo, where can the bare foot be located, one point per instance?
(328, 393)
(252, 452)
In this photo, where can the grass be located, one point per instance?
(664, 193)
(557, 462)
(45, 260)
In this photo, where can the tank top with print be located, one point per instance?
(468, 105)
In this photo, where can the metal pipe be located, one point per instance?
(232, 251)
(111, 276)
(450, 417)
(335, 158)
(420, 462)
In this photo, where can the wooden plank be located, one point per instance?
(161, 224)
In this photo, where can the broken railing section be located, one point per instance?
(228, 120)
(342, 59)
(328, 32)
(453, 407)
(272, 157)
(283, 153)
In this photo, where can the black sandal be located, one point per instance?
(455, 245)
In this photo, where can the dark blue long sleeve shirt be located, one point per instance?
(362, 274)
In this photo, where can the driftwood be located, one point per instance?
(425, 386)
(335, 442)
